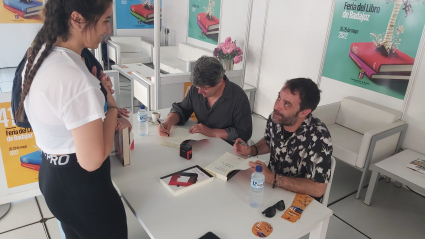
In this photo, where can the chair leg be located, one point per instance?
(363, 181)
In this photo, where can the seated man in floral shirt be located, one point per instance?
(300, 145)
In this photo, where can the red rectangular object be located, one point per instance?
(31, 166)
(142, 11)
(367, 52)
(209, 24)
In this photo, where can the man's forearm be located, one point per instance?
(172, 119)
(300, 185)
(219, 133)
(261, 147)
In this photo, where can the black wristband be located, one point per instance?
(256, 150)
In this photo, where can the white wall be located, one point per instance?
(293, 45)
(14, 42)
(415, 114)
(255, 44)
(174, 17)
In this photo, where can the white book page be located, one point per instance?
(178, 135)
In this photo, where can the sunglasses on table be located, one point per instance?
(271, 211)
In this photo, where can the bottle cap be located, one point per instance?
(142, 107)
(259, 168)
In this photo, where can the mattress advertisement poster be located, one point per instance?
(17, 11)
(135, 14)
(373, 44)
(204, 20)
(19, 153)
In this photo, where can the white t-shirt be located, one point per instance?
(63, 96)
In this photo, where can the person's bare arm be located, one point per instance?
(172, 119)
(296, 185)
(94, 140)
(245, 150)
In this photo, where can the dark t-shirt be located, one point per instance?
(231, 112)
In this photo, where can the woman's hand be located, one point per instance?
(124, 123)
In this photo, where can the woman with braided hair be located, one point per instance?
(73, 123)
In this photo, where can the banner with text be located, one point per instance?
(20, 155)
(204, 20)
(373, 44)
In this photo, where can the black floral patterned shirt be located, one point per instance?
(305, 154)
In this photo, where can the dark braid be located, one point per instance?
(56, 15)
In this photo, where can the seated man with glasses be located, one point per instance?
(221, 107)
(299, 144)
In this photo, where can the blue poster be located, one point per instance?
(135, 14)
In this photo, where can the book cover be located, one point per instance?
(32, 158)
(142, 11)
(21, 14)
(373, 75)
(209, 24)
(31, 166)
(376, 61)
(205, 31)
(185, 180)
(141, 18)
(25, 7)
(123, 141)
(418, 166)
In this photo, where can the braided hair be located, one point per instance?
(57, 16)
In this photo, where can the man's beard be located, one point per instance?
(285, 120)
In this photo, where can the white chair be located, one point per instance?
(181, 58)
(125, 50)
(362, 132)
(115, 78)
(325, 198)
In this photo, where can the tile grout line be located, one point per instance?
(19, 227)
(43, 220)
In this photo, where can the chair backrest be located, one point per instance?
(328, 187)
(362, 115)
(128, 44)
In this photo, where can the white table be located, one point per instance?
(395, 168)
(220, 207)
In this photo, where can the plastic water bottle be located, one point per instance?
(142, 121)
(257, 187)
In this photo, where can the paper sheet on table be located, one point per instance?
(178, 135)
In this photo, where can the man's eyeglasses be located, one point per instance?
(271, 211)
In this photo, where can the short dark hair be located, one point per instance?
(308, 90)
(207, 71)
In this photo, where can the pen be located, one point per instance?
(162, 126)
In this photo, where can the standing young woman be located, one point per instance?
(66, 109)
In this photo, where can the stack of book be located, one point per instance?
(376, 66)
(207, 25)
(31, 160)
(23, 9)
(146, 15)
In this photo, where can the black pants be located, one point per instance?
(86, 203)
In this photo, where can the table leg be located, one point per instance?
(371, 188)
(397, 184)
(320, 231)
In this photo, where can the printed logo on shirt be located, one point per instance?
(60, 160)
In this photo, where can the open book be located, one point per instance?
(225, 166)
(178, 135)
(185, 180)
